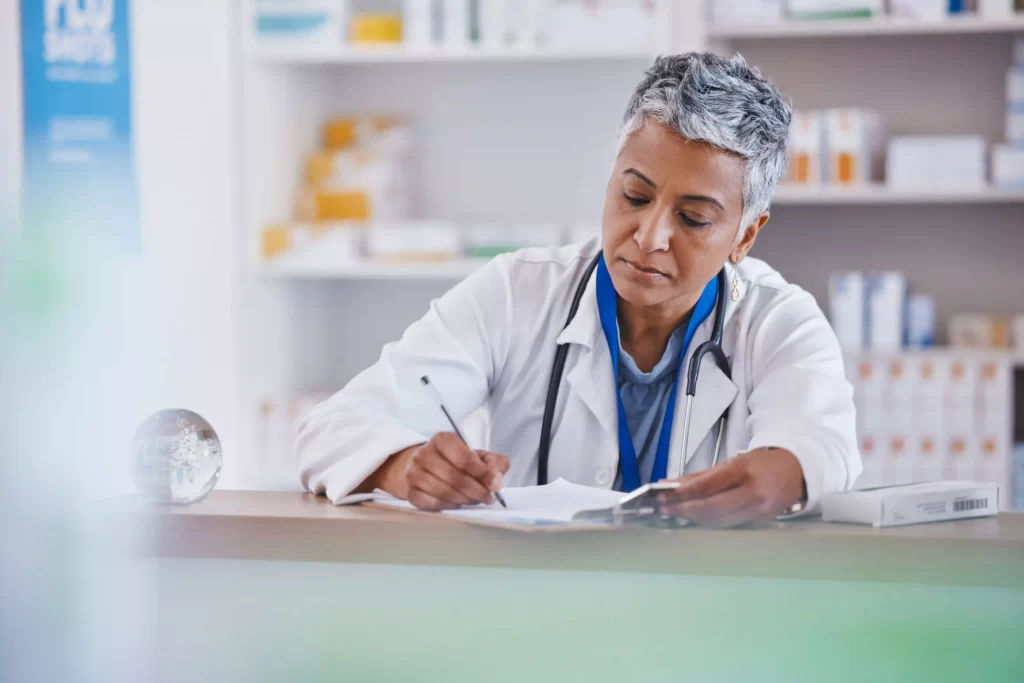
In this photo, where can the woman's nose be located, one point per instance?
(653, 235)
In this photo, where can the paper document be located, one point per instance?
(553, 503)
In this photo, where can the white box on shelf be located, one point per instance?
(912, 504)
(928, 10)
(537, 25)
(328, 245)
(901, 391)
(886, 306)
(995, 386)
(854, 144)
(978, 331)
(899, 460)
(488, 240)
(806, 149)
(873, 385)
(995, 9)
(1015, 85)
(928, 454)
(413, 241)
(936, 161)
(994, 466)
(872, 446)
(846, 309)
(1008, 166)
(1015, 123)
(963, 454)
(962, 395)
(746, 11)
(931, 378)
(920, 321)
(307, 22)
(801, 10)
(500, 22)
(456, 23)
(417, 27)
(607, 24)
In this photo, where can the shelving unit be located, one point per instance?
(286, 53)
(881, 194)
(527, 135)
(370, 270)
(882, 26)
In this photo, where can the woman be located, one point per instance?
(701, 150)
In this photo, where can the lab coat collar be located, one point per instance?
(591, 377)
(585, 328)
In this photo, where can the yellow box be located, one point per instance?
(376, 28)
(341, 206)
(276, 239)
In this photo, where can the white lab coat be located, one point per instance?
(491, 341)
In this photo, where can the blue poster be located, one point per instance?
(79, 174)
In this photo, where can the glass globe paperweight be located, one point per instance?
(176, 457)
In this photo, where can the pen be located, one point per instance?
(455, 427)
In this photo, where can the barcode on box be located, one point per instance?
(970, 504)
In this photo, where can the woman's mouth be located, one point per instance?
(645, 274)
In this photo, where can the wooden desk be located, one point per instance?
(301, 527)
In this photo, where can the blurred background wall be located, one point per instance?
(252, 295)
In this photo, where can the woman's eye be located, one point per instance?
(634, 201)
(692, 223)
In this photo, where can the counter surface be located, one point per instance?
(260, 525)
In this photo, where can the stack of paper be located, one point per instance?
(552, 504)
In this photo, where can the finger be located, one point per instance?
(495, 461)
(728, 508)
(462, 456)
(498, 465)
(707, 483)
(425, 501)
(438, 488)
(438, 467)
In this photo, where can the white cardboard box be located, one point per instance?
(911, 504)
(806, 148)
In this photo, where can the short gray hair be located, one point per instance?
(722, 102)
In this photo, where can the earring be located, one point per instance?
(734, 295)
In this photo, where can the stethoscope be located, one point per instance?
(713, 346)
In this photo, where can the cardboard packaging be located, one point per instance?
(855, 146)
(911, 504)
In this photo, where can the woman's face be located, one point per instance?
(671, 216)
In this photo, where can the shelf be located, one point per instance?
(369, 270)
(297, 53)
(880, 194)
(882, 26)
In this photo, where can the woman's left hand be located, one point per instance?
(755, 486)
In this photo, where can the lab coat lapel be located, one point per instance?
(590, 378)
(592, 381)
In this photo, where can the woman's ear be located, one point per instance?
(739, 252)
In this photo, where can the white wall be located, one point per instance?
(162, 328)
(185, 293)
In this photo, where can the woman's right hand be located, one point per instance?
(442, 474)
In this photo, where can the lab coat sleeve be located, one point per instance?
(461, 343)
(800, 399)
